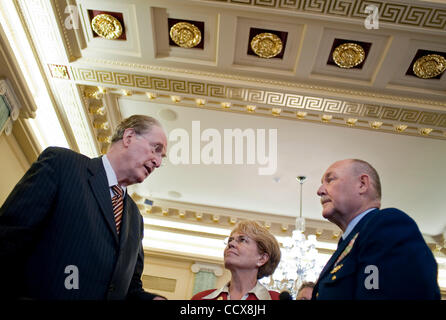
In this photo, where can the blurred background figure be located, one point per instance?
(251, 253)
(285, 295)
(305, 291)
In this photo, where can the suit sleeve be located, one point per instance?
(394, 260)
(136, 291)
(24, 212)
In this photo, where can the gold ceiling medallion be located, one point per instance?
(266, 45)
(185, 34)
(106, 26)
(429, 66)
(348, 55)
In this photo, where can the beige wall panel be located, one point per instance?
(162, 272)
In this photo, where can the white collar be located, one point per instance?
(111, 175)
(259, 291)
(354, 222)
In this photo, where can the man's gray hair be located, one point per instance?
(140, 123)
(362, 166)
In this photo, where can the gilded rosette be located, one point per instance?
(429, 66)
(348, 55)
(185, 34)
(266, 45)
(106, 26)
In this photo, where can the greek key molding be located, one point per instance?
(277, 103)
(281, 84)
(397, 13)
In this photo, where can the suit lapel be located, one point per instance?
(99, 186)
(335, 255)
(344, 243)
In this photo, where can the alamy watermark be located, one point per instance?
(372, 20)
(72, 280)
(218, 150)
(372, 280)
(72, 20)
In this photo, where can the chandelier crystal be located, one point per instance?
(298, 262)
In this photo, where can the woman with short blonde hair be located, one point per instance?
(251, 253)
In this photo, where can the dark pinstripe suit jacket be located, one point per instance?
(60, 214)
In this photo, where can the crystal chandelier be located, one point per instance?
(298, 263)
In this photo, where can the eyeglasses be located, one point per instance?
(158, 147)
(239, 240)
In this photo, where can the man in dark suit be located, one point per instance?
(69, 230)
(382, 254)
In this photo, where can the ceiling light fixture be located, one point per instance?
(299, 255)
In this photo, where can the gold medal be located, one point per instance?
(335, 269)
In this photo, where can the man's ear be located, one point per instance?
(127, 136)
(364, 183)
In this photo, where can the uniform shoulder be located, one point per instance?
(390, 221)
(393, 214)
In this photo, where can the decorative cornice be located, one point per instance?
(279, 225)
(93, 99)
(421, 16)
(268, 102)
(317, 89)
(226, 218)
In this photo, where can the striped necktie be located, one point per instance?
(118, 205)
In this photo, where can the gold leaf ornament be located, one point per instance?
(429, 66)
(348, 55)
(106, 26)
(185, 34)
(266, 45)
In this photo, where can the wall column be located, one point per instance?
(205, 276)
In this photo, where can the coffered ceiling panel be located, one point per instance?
(204, 52)
(374, 46)
(401, 77)
(285, 61)
(123, 19)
